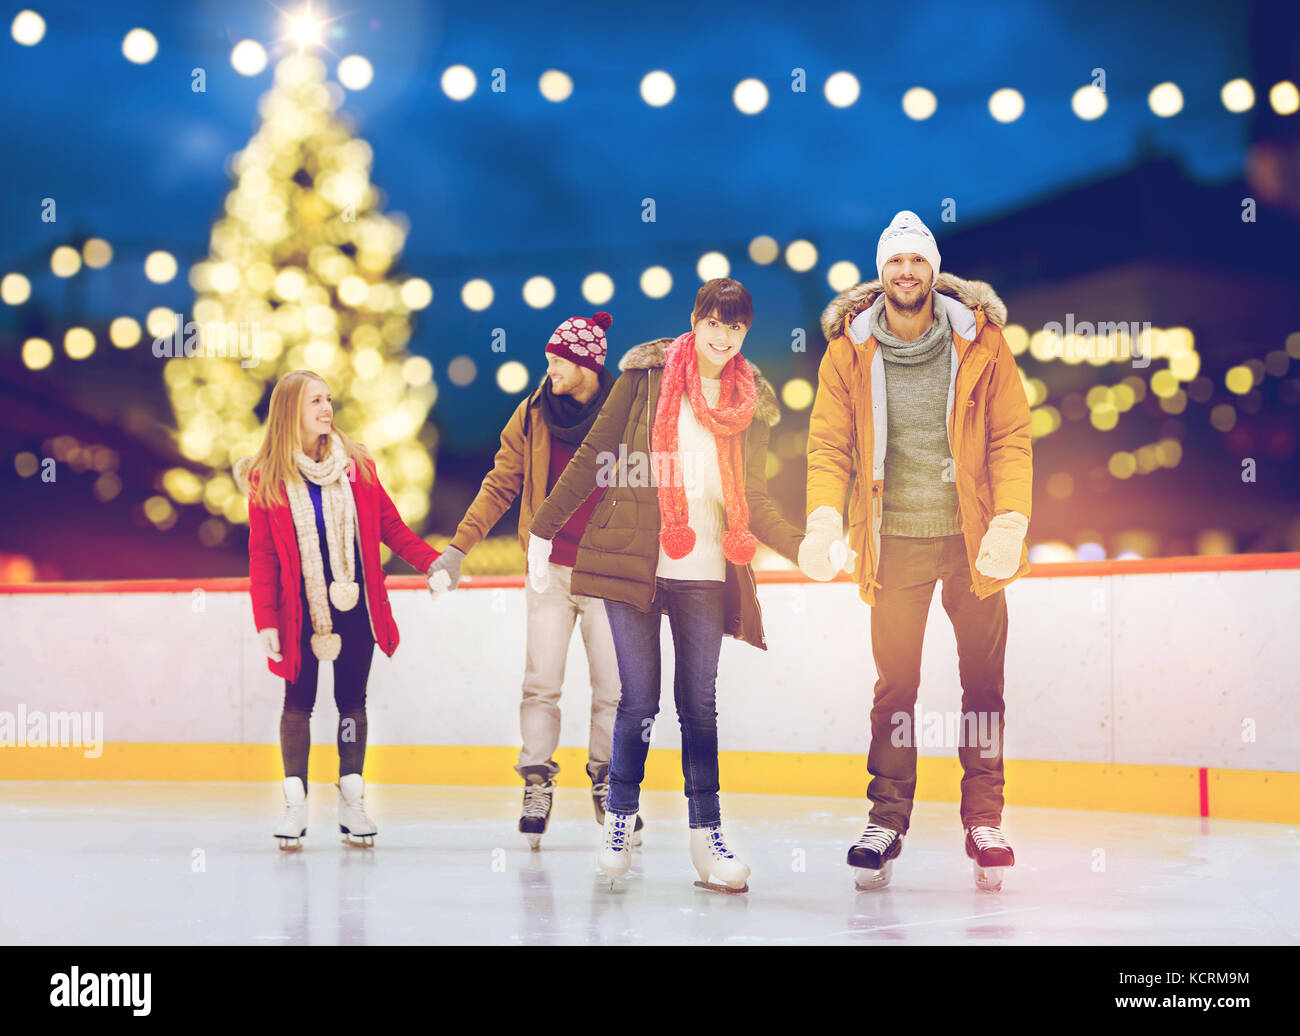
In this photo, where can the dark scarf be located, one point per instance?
(568, 420)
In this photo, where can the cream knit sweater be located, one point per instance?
(702, 482)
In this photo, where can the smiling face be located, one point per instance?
(907, 279)
(316, 415)
(566, 376)
(716, 342)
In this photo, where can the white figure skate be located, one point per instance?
(719, 868)
(599, 795)
(293, 822)
(355, 824)
(615, 857)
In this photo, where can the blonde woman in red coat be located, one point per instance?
(317, 514)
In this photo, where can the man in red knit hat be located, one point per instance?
(539, 440)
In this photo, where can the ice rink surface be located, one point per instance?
(129, 863)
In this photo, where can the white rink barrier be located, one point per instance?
(1106, 663)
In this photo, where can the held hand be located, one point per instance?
(842, 557)
(270, 638)
(539, 559)
(999, 553)
(448, 565)
(825, 527)
(439, 582)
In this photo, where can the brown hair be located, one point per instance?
(274, 461)
(729, 299)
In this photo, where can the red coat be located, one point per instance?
(275, 572)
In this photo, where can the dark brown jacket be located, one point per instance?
(619, 551)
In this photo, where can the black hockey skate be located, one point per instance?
(538, 788)
(872, 857)
(992, 854)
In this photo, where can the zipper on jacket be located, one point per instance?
(649, 422)
(649, 445)
(954, 423)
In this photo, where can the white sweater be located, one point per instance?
(702, 483)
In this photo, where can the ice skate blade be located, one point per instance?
(534, 841)
(357, 841)
(713, 886)
(289, 843)
(870, 881)
(988, 879)
(611, 878)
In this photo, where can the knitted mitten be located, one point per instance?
(825, 527)
(999, 553)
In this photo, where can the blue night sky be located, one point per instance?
(508, 185)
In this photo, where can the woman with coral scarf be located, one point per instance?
(707, 399)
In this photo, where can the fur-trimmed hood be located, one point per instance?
(653, 354)
(848, 305)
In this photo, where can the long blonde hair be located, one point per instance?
(274, 460)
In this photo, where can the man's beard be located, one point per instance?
(910, 308)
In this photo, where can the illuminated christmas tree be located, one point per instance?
(299, 275)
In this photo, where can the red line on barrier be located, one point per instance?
(1205, 791)
(1054, 570)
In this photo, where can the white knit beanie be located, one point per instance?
(906, 233)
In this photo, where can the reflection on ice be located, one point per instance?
(185, 863)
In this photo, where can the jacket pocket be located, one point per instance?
(860, 536)
(984, 496)
(616, 530)
(859, 505)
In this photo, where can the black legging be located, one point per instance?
(351, 673)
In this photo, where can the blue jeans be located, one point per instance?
(696, 612)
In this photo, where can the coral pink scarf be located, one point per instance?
(727, 421)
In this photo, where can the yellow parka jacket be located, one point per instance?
(988, 423)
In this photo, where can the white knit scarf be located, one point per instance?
(340, 514)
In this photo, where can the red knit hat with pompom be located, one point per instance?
(582, 340)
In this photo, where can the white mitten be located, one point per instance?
(447, 565)
(439, 582)
(539, 559)
(270, 638)
(999, 553)
(843, 556)
(819, 557)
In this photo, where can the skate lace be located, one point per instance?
(717, 846)
(617, 829)
(875, 838)
(537, 800)
(356, 809)
(988, 838)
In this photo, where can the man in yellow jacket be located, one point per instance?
(918, 391)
